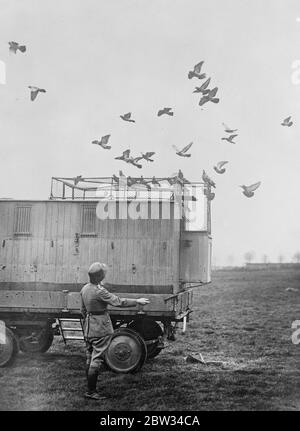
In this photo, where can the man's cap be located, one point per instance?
(97, 267)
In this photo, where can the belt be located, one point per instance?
(96, 313)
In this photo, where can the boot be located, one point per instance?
(92, 377)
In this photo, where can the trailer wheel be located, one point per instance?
(149, 330)
(9, 349)
(127, 351)
(36, 342)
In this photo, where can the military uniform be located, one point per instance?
(97, 324)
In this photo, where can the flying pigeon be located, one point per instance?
(197, 72)
(287, 122)
(103, 142)
(167, 111)
(14, 47)
(34, 91)
(230, 139)
(203, 89)
(183, 151)
(77, 179)
(127, 117)
(124, 156)
(219, 168)
(249, 190)
(208, 180)
(229, 129)
(210, 97)
(133, 162)
(147, 156)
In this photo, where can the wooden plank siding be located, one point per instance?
(141, 253)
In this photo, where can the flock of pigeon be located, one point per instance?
(207, 95)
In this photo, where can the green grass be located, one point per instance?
(242, 319)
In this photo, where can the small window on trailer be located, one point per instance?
(22, 222)
(88, 220)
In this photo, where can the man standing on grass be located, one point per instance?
(97, 323)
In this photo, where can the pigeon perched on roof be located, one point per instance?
(127, 117)
(15, 46)
(287, 122)
(207, 179)
(103, 142)
(166, 111)
(34, 91)
(196, 73)
(155, 182)
(210, 97)
(249, 190)
(124, 156)
(182, 178)
(203, 89)
(219, 167)
(77, 179)
(209, 194)
(144, 182)
(230, 139)
(229, 129)
(147, 156)
(182, 152)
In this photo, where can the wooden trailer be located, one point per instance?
(156, 243)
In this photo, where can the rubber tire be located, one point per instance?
(13, 347)
(42, 348)
(143, 355)
(139, 326)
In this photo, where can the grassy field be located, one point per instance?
(242, 319)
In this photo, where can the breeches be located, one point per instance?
(95, 349)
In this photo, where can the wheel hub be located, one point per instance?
(122, 351)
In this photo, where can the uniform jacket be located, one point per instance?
(95, 299)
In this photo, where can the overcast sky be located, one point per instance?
(98, 59)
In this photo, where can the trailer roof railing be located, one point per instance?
(125, 188)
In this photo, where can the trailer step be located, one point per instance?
(64, 330)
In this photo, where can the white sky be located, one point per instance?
(98, 59)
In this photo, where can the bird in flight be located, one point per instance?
(230, 139)
(229, 129)
(15, 46)
(210, 97)
(34, 91)
(197, 72)
(182, 152)
(124, 156)
(249, 190)
(166, 111)
(103, 142)
(287, 122)
(208, 180)
(147, 156)
(127, 117)
(219, 168)
(203, 89)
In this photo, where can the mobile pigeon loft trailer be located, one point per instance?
(156, 242)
